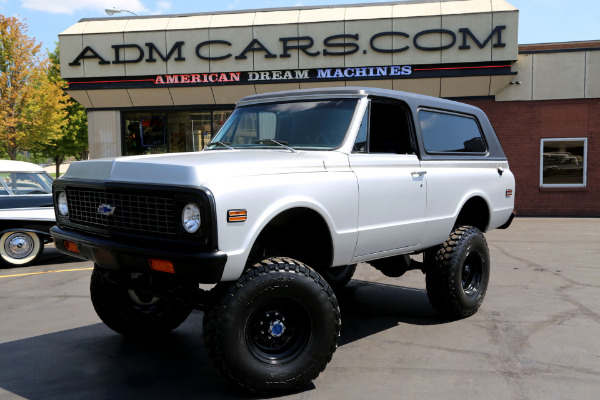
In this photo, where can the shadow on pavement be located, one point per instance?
(92, 362)
(51, 256)
(368, 308)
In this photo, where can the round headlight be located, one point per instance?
(63, 207)
(190, 218)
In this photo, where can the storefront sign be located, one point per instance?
(394, 71)
(335, 45)
(300, 75)
(197, 78)
(152, 131)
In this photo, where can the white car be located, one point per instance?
(294, 190)
(26, 212)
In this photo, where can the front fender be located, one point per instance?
(333, 195)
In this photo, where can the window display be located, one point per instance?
(154, 132)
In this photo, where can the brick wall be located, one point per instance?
(521, 126)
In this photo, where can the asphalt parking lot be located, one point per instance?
(537, 335)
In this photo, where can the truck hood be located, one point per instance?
(195, 169)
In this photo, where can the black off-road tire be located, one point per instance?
(132, 313)
(338, 277)
(458, 274)
(275, 329)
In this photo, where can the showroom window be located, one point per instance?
(152, 132)
(563, 162)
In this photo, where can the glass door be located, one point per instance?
(200, 131)
(204, 125)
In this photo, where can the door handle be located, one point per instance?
(419, 173)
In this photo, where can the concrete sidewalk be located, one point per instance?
(51, 169)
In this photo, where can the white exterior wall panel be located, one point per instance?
(104, 133)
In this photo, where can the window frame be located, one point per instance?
(585, 162)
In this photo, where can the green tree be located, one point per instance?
(73, 142)
(31, 105)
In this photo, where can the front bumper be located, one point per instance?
(112, 255)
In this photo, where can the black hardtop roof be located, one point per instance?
(413, 99)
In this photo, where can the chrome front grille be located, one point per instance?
(121, 212)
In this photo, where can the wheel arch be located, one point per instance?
(291, 233)
(475, 211)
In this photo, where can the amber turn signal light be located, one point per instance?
(237, 215)
(71, 247)
(161, 265)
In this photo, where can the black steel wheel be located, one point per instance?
(458, 274)
(275, 329)
(278, 331)
(472, 273)
(132, 312)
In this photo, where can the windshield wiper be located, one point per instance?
(277, 142)
(224, 144)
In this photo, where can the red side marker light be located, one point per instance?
(509, 192)
(161, 265)
(71, 247)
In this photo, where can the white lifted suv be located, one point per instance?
(293, 191)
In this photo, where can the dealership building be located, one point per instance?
(159, 84)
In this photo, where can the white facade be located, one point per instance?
(451, 49)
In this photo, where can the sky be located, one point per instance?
(540, 21)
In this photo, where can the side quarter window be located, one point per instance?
(386, 128)
(450, 133)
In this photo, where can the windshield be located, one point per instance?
(310, 125)
(22, 183)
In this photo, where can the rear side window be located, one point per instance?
(450, 133)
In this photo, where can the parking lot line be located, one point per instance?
(47, 272)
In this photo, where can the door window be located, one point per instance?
(389, 130)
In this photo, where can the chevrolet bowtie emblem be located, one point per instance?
(106, 209)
